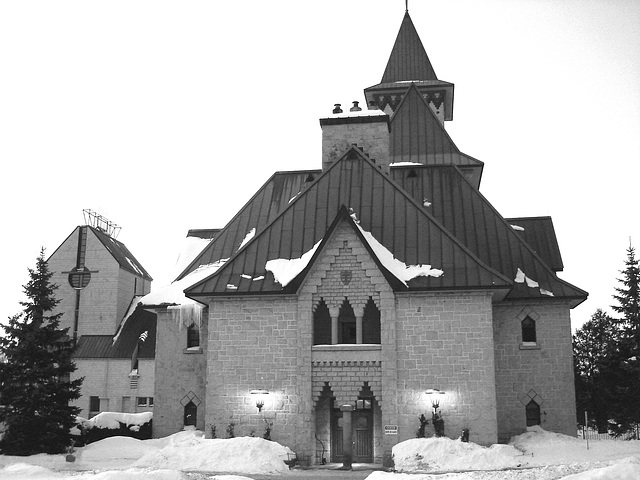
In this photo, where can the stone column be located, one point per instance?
(347, 437)
(334, 312)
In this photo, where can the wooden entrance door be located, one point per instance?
(362, 424)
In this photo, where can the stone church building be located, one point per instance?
(383, 283)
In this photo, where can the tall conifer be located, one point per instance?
(35, 385)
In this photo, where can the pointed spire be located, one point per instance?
(408, 59)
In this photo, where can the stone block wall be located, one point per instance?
(543, 371)
(445, 342)
(372, 136)
(181, 376)
(254, 344)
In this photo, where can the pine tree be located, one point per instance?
(593, 344)
(35, 385)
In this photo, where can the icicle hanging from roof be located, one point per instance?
(187, 315)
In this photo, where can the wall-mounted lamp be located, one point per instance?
(435, 401)
(259, 396)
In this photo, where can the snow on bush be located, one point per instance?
(443, 454)
(112, 420)
(189, 450)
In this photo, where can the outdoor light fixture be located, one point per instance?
(435, 402)
(259, 396)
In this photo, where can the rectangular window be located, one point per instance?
(193, 336)
(145, 401)
(94, 404)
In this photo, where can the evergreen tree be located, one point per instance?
(593, 344)
(35, 386)
(625, 362)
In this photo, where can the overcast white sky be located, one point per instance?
(168, 115)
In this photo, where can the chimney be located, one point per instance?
(369, 129)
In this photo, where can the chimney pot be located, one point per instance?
(355, 107)
(337, 108)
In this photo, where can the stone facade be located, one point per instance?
(181, 375)
(542, 372)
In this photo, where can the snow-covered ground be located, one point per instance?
(536, 455)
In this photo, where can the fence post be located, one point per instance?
(586, 419)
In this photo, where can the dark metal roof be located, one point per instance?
(102, 346)
(463, 210)
(541, 236)
(418, 136)
(268, 202)
(121, 254)
(93, 346)
(204, 232)
(408, 59)
(382, 208)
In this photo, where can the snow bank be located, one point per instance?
(625, 470)
(543, 447)
(246, 455)
(443, 454)
(115, 448)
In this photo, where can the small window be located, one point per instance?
(528, 330)
(193, 336)
(94, 404)
(533, 413)
(145, 401)
(190, 413)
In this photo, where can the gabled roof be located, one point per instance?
(539, 233)
(418, 136)
(267, 203)
(121, 254)
(475, 222)
(103, 346)
(394, 219)
(408, 59)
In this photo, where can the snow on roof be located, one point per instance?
(284, 269)
(399, 269)
(360, 113)
(172, 294)
(191, 247)
(247, 237)
(404, 164)
(522, 278)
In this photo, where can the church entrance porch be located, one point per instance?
(362, 435)
(364, 420)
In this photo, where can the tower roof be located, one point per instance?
(408, 59)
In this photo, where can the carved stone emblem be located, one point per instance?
(345, 276)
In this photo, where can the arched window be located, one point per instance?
(371, 323)
(322, 325)
(346, 324)
(190, 413)
(528, 330)
(533, 413)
